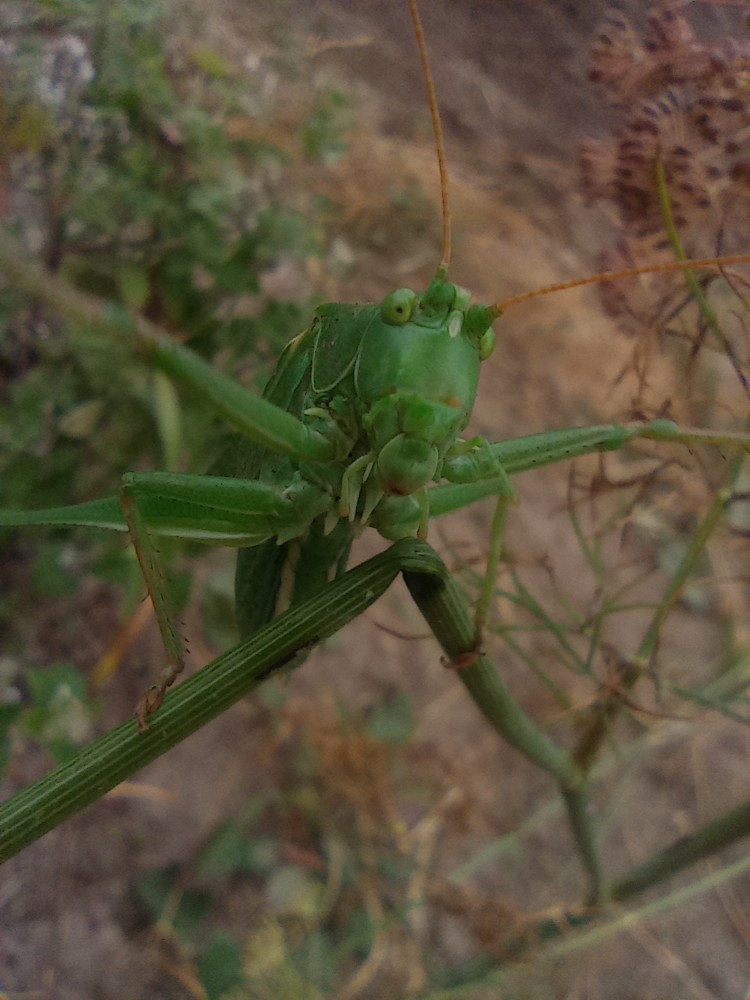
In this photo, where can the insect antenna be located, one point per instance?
(497, 308)
(442, 271)
(703, 263)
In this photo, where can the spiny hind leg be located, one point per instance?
(153, 574)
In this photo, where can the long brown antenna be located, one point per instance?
(710, 263)
(438, 131)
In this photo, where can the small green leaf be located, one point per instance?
(292, 891)
(133, 285)
(392, 722)
(80, 421)
(221, 970)
(211, 62)
(61, 713)
(234, 849)
(156, 890)
(53, 570)
(168, 419)
(30, 131)
(45, 683)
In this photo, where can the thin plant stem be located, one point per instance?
(444, 607)
(97, 768)
(598, 729)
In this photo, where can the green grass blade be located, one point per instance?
(442, 603)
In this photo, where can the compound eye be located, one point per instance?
(398, 307)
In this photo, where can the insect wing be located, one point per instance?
(290, 378)
(338, 340)
(270, 577)
(286, 388)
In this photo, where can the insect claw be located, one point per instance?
(148, 704)
(467, 659)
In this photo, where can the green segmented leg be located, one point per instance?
(486, 466)
(153, 574)
(233, 511)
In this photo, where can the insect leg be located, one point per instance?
(153, 574)
(211, 509)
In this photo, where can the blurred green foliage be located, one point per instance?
(135, 161)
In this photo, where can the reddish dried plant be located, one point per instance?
(680, 89)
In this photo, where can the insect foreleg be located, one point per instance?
(480, 470)
(487, 592)
(474, 465)
(472, 475)
(484, 464)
